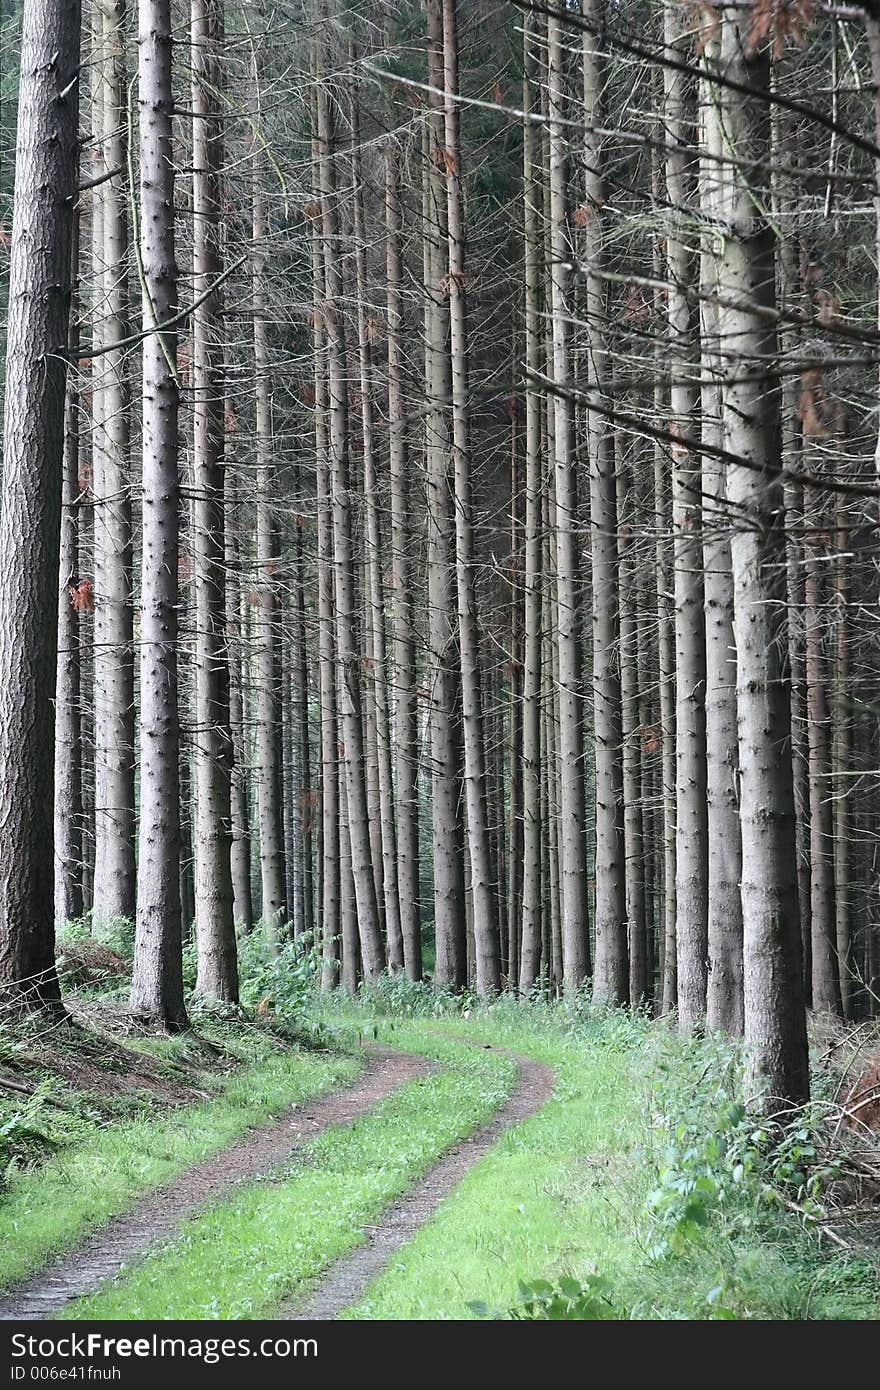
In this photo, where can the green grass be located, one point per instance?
(239, 1258)
(105, 1168)
(567, 1193)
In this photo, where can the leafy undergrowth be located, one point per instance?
(239, 1258)
(641, 1190)
(87, 1143)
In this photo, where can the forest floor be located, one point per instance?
(413, 1157)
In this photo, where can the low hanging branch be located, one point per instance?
(135, 338)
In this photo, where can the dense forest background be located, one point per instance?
(450, 540)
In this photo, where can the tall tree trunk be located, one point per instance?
(611, 976)
(402, 619)
(691, 853)
(236, 634)
(348, 661)
(826, 978)
(115, 874)
(724, 926)
(483, 884)
(331, 832)
(774, 1016)
(68, 814)
(375, 605)
(842, 759)
(300, 694)
(47, 162)
(267, 636)
(450, 971)
(632, 761)
(157, 981)
(217, 976)
(668, 992)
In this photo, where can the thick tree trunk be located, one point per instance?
(217, 976)
(157, 981)
(774, 1016)
(47, 161)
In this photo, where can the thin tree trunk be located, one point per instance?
(267, 632)
(450, 971)
(68, 815)
(236, 632)
(842, 759)
(632, 775)
(387, 858)
(403, 645)
(217, 976)
(483, 885)
(611, 977)
(530, 947)
(826, 977)
(331, 831)
(372, 951)
(306, 798)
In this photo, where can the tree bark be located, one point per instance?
(450, 971)
(115, 873)
(404, 720)
(68, 815)
(691, 851)
(217, 977)
(47, 162)
(483, 883)
(267, 684)
(157, 981)
(774, 1016)
(611, 975)
(347, 656)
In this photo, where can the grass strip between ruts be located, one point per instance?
(46, 1211)
(242, 1256)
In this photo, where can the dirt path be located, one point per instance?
(156, 1216)
(346, 1281)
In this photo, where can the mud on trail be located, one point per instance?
(345, 1282)
(84, 1269)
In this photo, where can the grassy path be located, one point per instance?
(51, 1209)
(242, 1257)
(156, 1217)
